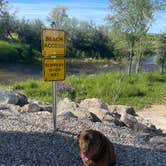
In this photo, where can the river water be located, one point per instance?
(16, 72)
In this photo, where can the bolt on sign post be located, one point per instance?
(53, 51)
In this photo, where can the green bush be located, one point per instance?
(15, 52)
(8, 52)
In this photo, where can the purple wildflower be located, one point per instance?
(64, 86)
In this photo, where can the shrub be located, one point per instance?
(15, 52)
(8, 52)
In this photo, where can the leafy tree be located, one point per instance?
(29, 32)
(3, 6)
(161, 51)
(7, 21)
(92, 41)
(120, 45)
(58, 16)
(132, 18)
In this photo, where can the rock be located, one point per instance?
(66, 105)
(12, 107)
(130, 121)
(11, 97)
(83, 113)
(9, 110)
(99, 112)
(31, 107)
(65, 115)
(93, 102)
(8, 97)
(105, 66)
(158, 142)
(121, 109)
(22, 99)
(147, 127)
(43, 106)
(112, 119)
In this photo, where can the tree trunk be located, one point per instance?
(138, 66)
(131, 57)
(130, 64)
(162, 68)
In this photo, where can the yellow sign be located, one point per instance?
(54, 69)
(53, 42)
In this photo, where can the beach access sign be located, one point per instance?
(53, 51)
(53, 42)
(54, 69)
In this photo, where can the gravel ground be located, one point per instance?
(28, 139)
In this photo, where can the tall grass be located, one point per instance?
(114, 88)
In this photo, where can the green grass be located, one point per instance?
(138, 91)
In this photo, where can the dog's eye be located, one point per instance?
(88, 137)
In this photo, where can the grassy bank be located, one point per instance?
(114, 88)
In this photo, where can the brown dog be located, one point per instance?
(95, 149)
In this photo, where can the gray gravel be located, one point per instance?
(28, 139)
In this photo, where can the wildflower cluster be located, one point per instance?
(65, 90)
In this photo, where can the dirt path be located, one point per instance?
(156, 114)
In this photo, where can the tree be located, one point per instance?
(161, 51)
(7, 21)
(92, 41)
(29, 32)
(121, 47)
(3, 6)
(58, 16)
(132, 18)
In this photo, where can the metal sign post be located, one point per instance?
(53, 51)
(54, 103)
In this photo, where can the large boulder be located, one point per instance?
(121, 109)
(22, 99)
(36, 106)
(111, 118)
(99, 112)
(130, 121)
(31, 107)
(84, 114)
(42, 105)
(158, 142)
(66, 105)
(11, 97)
(8, 97)
(124, 116)
(93, 102)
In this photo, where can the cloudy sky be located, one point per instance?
(95, 10)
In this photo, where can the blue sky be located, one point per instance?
(95, 10)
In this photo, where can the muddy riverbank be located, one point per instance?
(14, 72)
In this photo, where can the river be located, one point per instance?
(14, 72)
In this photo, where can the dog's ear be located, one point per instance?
(78, 137)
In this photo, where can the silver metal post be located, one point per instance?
(54, 104)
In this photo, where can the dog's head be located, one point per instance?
(90, 142)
